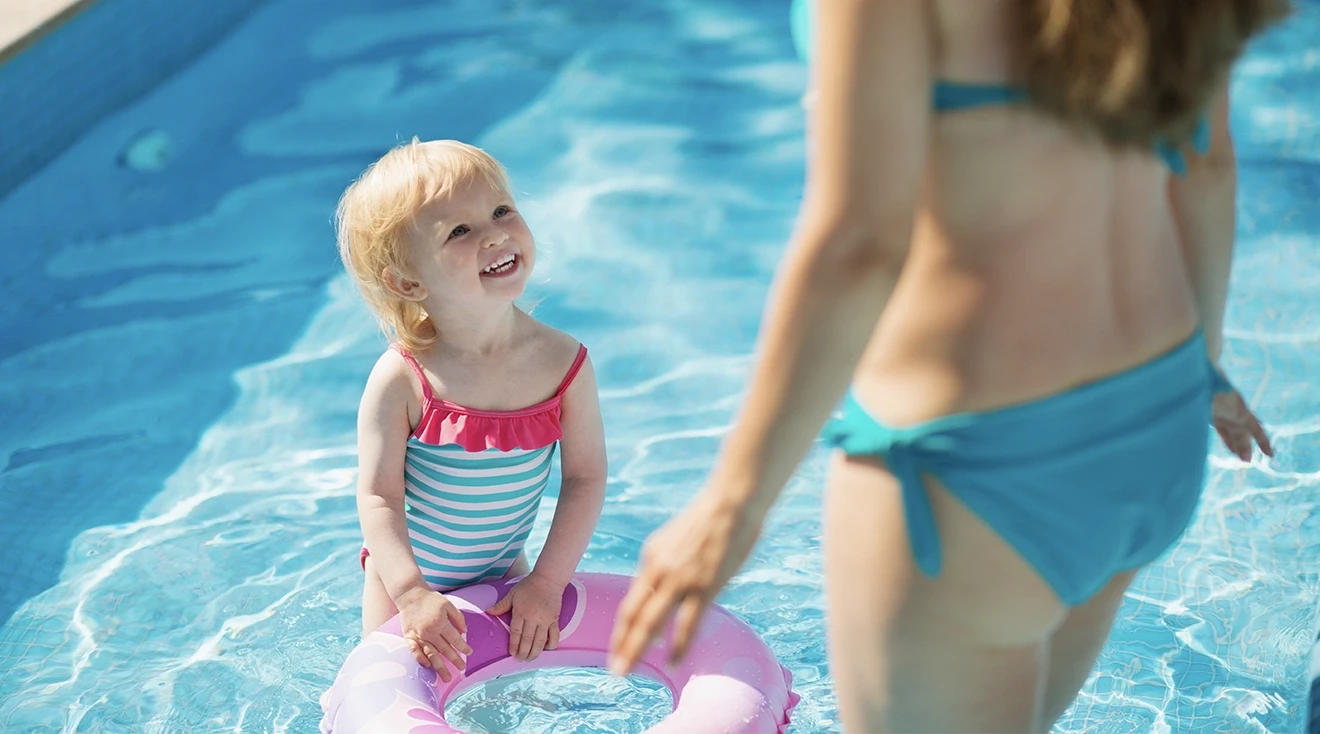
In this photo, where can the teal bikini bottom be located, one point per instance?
(1083, 484)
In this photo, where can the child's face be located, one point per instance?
(473, 245)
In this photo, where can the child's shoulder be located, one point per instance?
(391, 371)
(390, 381)
(391, 360)
(558, 345)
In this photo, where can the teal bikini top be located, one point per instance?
(956, 97)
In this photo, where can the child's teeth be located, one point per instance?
(500, 265)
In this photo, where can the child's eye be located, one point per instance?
(501, 210)
(459, 231)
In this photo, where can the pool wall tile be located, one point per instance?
(98, 61)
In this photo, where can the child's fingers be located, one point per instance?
(515, 633)
(416, 650)
(456, 618)
(437, 662)
(537, 640)
(530, 633)
(503, 606)
(439, 654)
(454, 637)
(449, 645)
(553, 644)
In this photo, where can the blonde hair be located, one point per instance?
(374, 223)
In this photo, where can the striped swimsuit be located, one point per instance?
(473, 481)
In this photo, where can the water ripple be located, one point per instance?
(658, 151)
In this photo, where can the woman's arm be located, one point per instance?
(1204, 203)
(383, 429)
(869, 136)
(582, 490)
(1204, 207)
(869, 139)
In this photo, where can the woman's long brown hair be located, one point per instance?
(1134, 71)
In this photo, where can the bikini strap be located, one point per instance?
(572, 371)
(417, 370)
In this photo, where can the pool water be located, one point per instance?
(181, 361)
(579, 700)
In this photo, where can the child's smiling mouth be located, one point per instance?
(503, 266)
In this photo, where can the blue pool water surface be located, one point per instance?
(181, 359)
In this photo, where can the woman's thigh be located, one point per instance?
(964, 651)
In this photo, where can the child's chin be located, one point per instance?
(507, 289)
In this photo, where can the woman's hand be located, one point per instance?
(684, 565)
(1237, 426)
(535, 604)
(434, 629)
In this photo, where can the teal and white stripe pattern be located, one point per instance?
(469, 513)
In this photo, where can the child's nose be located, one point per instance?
(495, 238)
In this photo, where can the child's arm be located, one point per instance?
(430, 622)
(582, 489)
(536, 600)
(383, 429)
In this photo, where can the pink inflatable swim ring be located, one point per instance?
(730, 682)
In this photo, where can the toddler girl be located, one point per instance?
(461, 417)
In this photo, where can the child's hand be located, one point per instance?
(433, 627)
(535, 604)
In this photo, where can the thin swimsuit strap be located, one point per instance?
(953, 96)
(572, 371)
(428, 396)
(959, 96)
(417, 370)
(956, 96)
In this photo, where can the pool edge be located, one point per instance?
(40, 26)
(79, 66)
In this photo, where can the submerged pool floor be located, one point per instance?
(181, 359)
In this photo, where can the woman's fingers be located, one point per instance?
(640, 592)
(625, 617)
(1262, 438)
(1229, 436)
(1235, 437)
(686, 620)
(1239, 427)
(642, 627)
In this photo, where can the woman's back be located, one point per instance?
(1041, 258)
